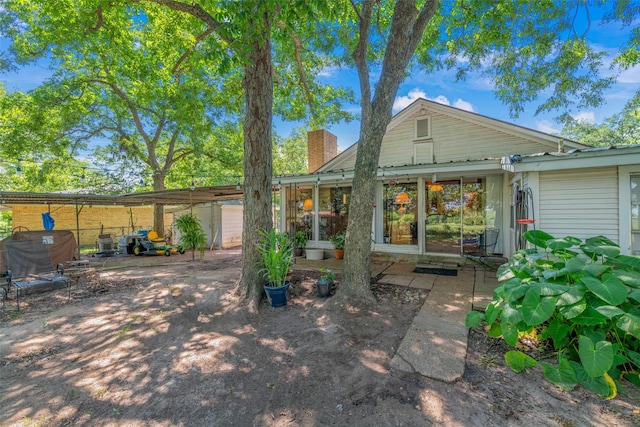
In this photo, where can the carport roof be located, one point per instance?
(183, 196)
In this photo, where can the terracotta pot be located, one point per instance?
(339, 253)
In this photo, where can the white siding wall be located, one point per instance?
(231, 226)
(580, 202)
(454, 140)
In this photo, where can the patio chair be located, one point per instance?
(30, 269)
(482, 246)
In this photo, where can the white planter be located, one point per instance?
(314, 254)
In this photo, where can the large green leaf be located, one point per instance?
(630, 323)
(473, 319)
(595, 269)
(574, 310)
(573, 295)
(536, 310)
(575, 265)
(634, 357)
(634, 295)
(630, 278)
(589, 317)
(549, 289)
(610, 290)
(492, 311)
(558, 331)
(626, 261)
(609, 311)
(601, 245)
(537, 237)
(564, 243)
(509, 332)
(519, 361)
(563, 376)
(597, 385)
(597, 358)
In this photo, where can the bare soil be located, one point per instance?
(165, 342)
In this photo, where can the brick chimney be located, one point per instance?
(322, 146)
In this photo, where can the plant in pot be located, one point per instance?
(325, 282)
(337, 240)
(299, 242)
(276, 250)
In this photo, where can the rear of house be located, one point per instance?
(446, 176)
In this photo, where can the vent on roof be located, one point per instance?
(423, 127)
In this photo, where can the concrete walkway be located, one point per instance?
(436, 343)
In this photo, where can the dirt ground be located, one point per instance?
(164, 342)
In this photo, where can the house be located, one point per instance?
(446, 176)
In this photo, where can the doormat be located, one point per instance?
(439, 271)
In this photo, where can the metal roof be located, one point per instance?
(183, 196)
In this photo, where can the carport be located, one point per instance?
(183, 196)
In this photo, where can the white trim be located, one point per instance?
(624, 207)
(415, 127)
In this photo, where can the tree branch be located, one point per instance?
(185, 55)
(303, 75)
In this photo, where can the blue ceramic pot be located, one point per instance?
(277, 295)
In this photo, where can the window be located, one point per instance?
(423, 127)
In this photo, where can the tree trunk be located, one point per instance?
(258, 86)
(407, 27)
(158, 210)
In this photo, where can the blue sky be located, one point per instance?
(474, 94)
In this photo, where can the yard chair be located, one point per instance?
(30, 269)
(483, 246)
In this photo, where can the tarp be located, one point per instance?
(61, 245)
(47, 221)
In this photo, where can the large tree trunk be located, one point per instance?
(406, 31)
(158, 210)
(258, 86)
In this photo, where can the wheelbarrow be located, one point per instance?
(152, 244)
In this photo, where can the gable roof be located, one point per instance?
(547, 141)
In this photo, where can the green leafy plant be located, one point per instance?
(276, 250)
(300, 239)
(192, 235)
(327, 275)
(583, 298)
(337, 240)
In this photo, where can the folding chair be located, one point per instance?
(30, 269)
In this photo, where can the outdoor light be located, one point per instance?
(318, 181)
(307, 205)
(238, 186)
(193, 186)
(279, 184)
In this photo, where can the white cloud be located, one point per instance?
(440, 99)
(630, 75)
(464, 105)
(585, 116)
(547, 127)
(402, 102)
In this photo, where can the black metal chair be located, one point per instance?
(482, 246)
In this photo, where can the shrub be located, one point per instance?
(583, 299)
(192, 235)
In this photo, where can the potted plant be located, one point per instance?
(337, 240)
(277, 254)
(299, 242)
(324, 282)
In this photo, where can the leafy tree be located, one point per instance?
(523, 57)
(121, 78)
(290, 154)
(620, 129)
